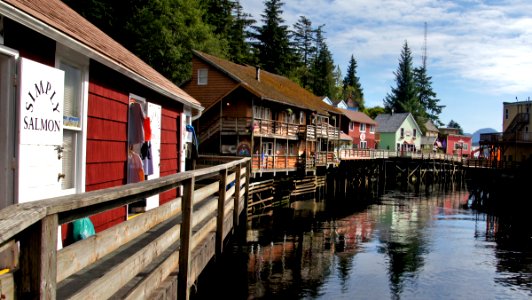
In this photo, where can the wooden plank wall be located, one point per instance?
(106, 146)
(170, 131)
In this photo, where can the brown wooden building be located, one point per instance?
(251, 112)
(515, 142)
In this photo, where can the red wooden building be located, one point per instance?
(83, 111)
(360, 127)
(454, 143)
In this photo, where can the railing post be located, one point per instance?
(220, 215)
(246, 193)
(38, 260)
(236, 206)
(187, 201)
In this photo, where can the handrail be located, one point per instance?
(33, 226)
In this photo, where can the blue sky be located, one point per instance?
(479, 53)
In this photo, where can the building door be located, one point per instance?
(39, 131)
(7, 127)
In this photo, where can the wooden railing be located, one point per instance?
(160, 252)
(349, 154)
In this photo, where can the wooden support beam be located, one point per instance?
(221, 210)
(237, 195)
(186, 234)
(38, 260)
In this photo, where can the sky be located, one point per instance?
(479, 52)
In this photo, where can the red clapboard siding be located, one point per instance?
(169, 136)
(169, 149)
(107, 92)
(109, 218)
(100, 129)
(168, 166)
(106, 151)
(106, 108)
(105, 185)
(168, 123)
(104, 172)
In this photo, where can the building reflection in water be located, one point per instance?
(304, 251)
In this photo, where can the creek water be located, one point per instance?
(399, 246)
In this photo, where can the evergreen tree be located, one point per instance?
(239, 48)
(403, 97)
(352, 89)
(323, 82)
(453, 124)
(305, 49)
(427, 96)
(338, 84)
(272, 41)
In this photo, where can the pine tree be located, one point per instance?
(426, 95)
(305, 49)
(323, 81)
(239, 48)
(453, 124)
(272, 41)
(352, 89)
(403, 97)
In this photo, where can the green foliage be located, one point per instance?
(352, 89)
(322, 68)
(427, 96)
(403, 97)
(304, 42)
(453, 124)
(271, 40)
(373, 112)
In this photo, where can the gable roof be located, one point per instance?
(430, 126)
(357, 116)
(59, 22)
(270, 86)
(392, 122)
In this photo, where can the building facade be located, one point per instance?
(398, 132)
(83, 111)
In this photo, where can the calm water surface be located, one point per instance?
(403, 247)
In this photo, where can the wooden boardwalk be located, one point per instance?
(156, 255)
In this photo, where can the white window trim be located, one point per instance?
(372, 129)
(351, 126)
(67, 55)
(362, 125)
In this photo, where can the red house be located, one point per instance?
(84, 112)
(454, 143)
(360, 127)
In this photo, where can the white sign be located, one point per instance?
(362, 136)
(41, 104)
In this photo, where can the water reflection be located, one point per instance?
(404, 246)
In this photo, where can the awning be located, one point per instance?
(345, 137)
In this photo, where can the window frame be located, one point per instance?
(362, 127)
(65, 55)
(203, 76)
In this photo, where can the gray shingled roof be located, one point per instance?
(390, 122)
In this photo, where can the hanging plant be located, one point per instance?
(289, 111)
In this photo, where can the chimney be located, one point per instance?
(257, 73)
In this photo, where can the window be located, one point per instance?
(415, 133)
(506, 114)
(351, 126)
(362, 127)
(267, 149)
(372, 128)
(301, 117)
(72, 155)
(203, 75)
(402, 132)
(363, 144)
